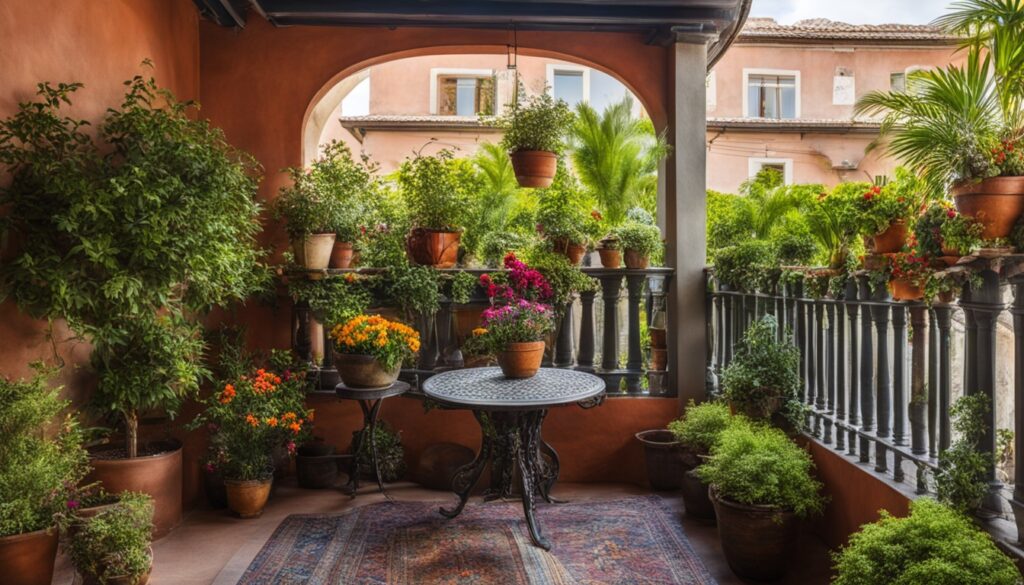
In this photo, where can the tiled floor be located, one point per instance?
(212, 547)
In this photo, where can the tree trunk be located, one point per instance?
(131, 433)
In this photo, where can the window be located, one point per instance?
(783, 165)
(465, 95)
(772, 94)
(898, 81)
(570, 83)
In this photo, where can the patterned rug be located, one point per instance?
(635, 541)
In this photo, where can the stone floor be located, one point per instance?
(212, 547)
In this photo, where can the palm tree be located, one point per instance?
(499, 197)
(616, 156)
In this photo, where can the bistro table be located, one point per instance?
(510, 413)
(370, 401)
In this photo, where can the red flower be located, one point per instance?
(951, 214)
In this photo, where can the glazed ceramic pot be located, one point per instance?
(341, 255)
(521, 360)
(27, 559)
(996, 202)
(534, 168)
(314, 251)
(610, 258)
(364, 371)
(158, 475)
(905, 290)
(662, 455)
(757, 540)
(635, 260)
(435, 248)
(891, 240)
(247, 498)
(573, 252)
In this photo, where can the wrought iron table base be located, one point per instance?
(370, 408)
(511, 439)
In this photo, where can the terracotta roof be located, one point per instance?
(412, 122)
(794, 125)
(817, 29)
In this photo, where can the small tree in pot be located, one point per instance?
(761, 483)
(534, 133)
(311, 218)
(436, 190)
(351, 185)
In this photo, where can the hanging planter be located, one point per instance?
(533, 131)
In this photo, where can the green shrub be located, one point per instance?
(349, 183)
(565, 279)
(332, 300)
(932, 546)
(960, 479)
(793, 243)
(437, 190)
(563, 211)
(746, 265)
(761, 466)
(702, 424)
(642, 238)
(764, 374)
(115, 542)
(727, 225)
(539, 122)
(495, 245)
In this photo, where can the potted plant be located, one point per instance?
(662, 458)
(762, 381)
(832, 219)
(961, 125)
(311, 217)
(640, 243)
(370, 350)
(131, 234)
(909, 274)
(761, 484)
(254, 415)
(609, 249)
(742, 267)
(698, 431)
(534, 130)
(884, 213)
(944, 233)
(562, 220)
(960, 481)
(515, 334)
(40, 462)
(933, 545)
(436, 191)
(112, 547)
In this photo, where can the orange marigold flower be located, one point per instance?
(295, 427)
(272, 421)
(252, 420)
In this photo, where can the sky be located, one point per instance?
(852, 11)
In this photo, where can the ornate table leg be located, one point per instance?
(527, 456)
(370, 414)
(466, 477)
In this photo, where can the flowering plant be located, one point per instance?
(389, 342)
(940, 227)
(253, 415)
(912, 267)
(518, 282)
(881, 206)
(520, 322)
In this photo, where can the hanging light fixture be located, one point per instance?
(513, 51)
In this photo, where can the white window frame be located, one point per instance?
(437, 72)
(754, 165)
(794, 73)
(553, 67)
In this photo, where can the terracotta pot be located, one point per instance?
(364, 371)
(341, 254)
(891, 240)
(316, 466)
(27, 559)
(947, 297)
(875, 261)
(904, 290)
(948, 261)
(573, 252)
(534, 168)
(996, 202)
(664, 464)
(438, 249)
(636, 261)
(610, 258)
(696, 500)
(314, 252)
(247, 498)
(521, 360)
(659, 359)
(757, 540)
(659, 337)
(157, 475)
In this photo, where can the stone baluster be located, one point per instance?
(837, 394)
(933, 384)
(1017, 310)
(918, 386)
(853, 311)
(611, 288)
(300, 332)
(867, 370)
(899, 375)
(585, 356)
(883, 381)
(635, 284)
(944, 321)
(563, 354)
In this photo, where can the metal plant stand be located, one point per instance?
(370, 402)
(511, 413)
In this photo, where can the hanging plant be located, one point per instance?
(535, 129)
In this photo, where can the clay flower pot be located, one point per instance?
(521, 360)
(757, 540)
(364, 371)
(610, 258)
(314, 251)
(341, 255)
(696, 501)
(664, 463)
(635, 260)
(658, 337)
(573, 252)
(659, 359)
(875, 261)
(905, 290)
(435, 248)
(27, 559)
(534, 168)
(892, 239)
(158, 475)
(247, 498)
(996, 202)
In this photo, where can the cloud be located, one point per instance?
(853, 12)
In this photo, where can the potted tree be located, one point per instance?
(762, 381)
(640, 243)
(761, 484)
(960, 126)
(40, 462)
(311, 217)
(130, 236)
(944, 233)
(436, 190)
(112, 546)
(370, 350)
(933, 545)
(534, 131)
(698, 431)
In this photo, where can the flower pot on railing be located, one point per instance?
(664, 463)
(696, 501)
(247, 498)
(892, 239)
(534, 168)
(521, 360)
(313, 252)
(906, 290)
(757, 540)
(610, 257)
(341, 254)
(635, 260)
(28, 559)
(573, 252)
(435, 248)
(996, 202)
(365, 371)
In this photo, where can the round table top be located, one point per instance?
(395, 389)
(489, 389)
